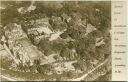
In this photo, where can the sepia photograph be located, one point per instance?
(55, 41)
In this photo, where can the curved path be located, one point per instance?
(86, 74)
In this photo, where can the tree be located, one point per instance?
(45, 46)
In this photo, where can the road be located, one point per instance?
(76, 79)
(4, 78)
(86, 74)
